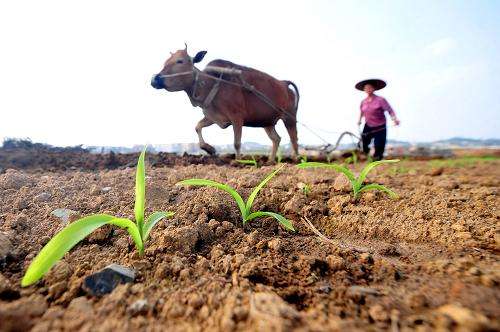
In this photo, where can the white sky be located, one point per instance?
(78, 72)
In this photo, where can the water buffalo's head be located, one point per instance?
(178, 72)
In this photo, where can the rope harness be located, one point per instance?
(326, 148)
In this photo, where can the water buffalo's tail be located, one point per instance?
(296, 93)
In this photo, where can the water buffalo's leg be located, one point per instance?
(291, 127)
(205, 122)
(275, 138)
(237, 128)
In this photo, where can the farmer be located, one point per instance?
(372, 109)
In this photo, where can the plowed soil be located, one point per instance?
(428, 260)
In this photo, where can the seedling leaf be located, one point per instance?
(140, 191)
(221, 186)
(151, 222)
(370, 166)
(338, 168)
(374, 186)
(67, 238)
(282, 220)
(256, 190)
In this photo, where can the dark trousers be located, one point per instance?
(379, 135)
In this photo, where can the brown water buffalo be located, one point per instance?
(226, 102)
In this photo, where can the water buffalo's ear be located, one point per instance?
(199, 56)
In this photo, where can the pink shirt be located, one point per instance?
(373, 110)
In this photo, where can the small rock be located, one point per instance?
(139, 307)
(105, 280)
(378, 313)
(106, 189)
(43, 197)
(64, 214)
(5, 247)
(342, 183)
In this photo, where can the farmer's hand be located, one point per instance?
(396, 121)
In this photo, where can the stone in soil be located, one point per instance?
(63, 214)
(104, 281)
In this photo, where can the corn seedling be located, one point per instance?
(303, 159)
(306, 189)
(357, 182)
(251, 162)
(245, 207)
(75, 232)
(353, 159)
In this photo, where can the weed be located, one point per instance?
(69, 236)
(245, 208)
(353, 159)
(461, 161)
(251, 162)
(356, 182)
(306, 189)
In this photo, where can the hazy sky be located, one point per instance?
(78, 72)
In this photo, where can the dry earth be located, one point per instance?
(428, 260)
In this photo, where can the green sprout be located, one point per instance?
(251, 162)
(306, 189)
(357, 182)
(75, 232)
(303, 159)
(245, 208)
(353, 159)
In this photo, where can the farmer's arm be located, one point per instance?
(360, 115)
(388, 108)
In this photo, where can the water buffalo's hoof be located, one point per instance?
(208, 148)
